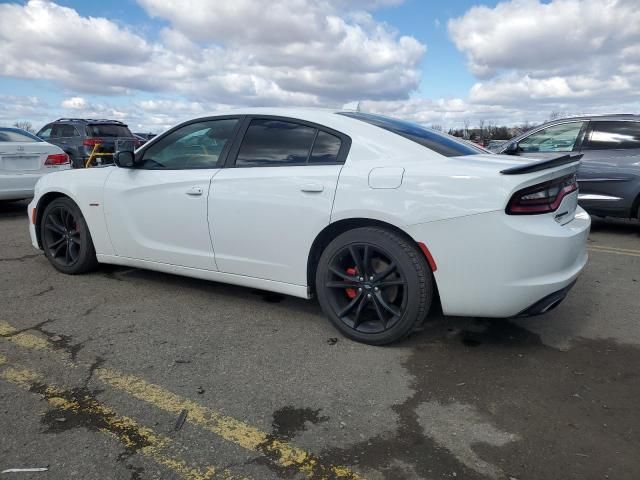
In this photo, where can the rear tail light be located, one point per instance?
(56, 159)
(542, 198)
(91, 142)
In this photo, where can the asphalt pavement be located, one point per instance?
(131, 374)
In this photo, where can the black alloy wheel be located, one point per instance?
(62, 236)
(65, 237)
(374, 285)
(367, 291)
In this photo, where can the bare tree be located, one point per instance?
(555, 114)
(466, 124)
(481, 125)
(437, 126)
(25, 125)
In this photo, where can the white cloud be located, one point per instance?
(237, 52)
(74, 103)
(531, 57)
(570, 52)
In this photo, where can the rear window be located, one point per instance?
(15, 135)
(108, 130)
(441, 143)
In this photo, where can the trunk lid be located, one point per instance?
(25, 157)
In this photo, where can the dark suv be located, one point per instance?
(78, 137)
(609, 176)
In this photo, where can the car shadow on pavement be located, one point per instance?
(615, 226)
(9, 209)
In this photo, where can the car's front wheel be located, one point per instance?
(374, 285)
(65, 237)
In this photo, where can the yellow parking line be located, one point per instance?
(616, 251)
(233, 430)
(226, 427)
(131, 434)
(23, 339)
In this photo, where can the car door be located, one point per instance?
(266, 209)
(157, 211)
(610, 171)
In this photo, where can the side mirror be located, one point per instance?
(512, 149)
(124, 159)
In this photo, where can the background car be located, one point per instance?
(145, 136)
(375, 216)
(609, 176)
(78, 137)
(24, 158)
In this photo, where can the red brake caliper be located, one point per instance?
(351, 292)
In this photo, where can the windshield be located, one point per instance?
(441, 143)
(16, 135)
(108, 130)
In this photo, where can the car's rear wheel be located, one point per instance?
(374, 285)
(65, 237)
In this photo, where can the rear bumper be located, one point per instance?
(548, 303)
(498, 265)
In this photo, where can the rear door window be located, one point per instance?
(613, 135)
(67, 130)
(325, 148)
(275, 143)
(108, 130)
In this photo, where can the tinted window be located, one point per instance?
(198, 145)
(108, 130)
(556, 138)
(441, 143)
(15, 135)
(275, 142)
(612, 135)
(56, 130)
(67, 131)
(325, 148)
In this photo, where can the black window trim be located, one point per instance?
(587, 138)
(139, 155)
(345, 144)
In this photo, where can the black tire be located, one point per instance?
(385, 304)
(75, 161)
(65, 238)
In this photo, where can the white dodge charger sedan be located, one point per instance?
(377, 217)
(24, 158)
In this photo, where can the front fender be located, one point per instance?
(86, 188)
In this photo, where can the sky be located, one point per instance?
(154, 63)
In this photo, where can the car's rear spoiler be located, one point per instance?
(542, 165)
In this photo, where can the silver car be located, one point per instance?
(24, 158)
(609, 176)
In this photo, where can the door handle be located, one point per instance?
(312, 187)
(194, 191)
